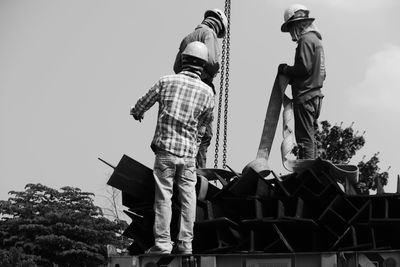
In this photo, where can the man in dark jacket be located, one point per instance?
(306, 77)
(211, 28)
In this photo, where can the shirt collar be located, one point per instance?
(190, 74)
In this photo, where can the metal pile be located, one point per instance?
(300, 212)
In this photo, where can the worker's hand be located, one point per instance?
(133, 113)
(282, 69)
(137, 118)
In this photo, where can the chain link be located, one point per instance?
(224, 81)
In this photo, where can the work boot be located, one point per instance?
(160, 249)
(183, 248)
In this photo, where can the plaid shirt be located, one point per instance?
(185, 105)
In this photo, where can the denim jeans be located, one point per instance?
(306, 124)
(170, 169)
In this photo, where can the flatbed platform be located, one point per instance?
(379, 258)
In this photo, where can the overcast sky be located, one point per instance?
(70, 71)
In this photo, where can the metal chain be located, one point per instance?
(224, 151)
(217, 132)
(224, 75)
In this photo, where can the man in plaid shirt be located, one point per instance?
(185, 108)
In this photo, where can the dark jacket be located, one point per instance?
(206, 35)
(308, 72)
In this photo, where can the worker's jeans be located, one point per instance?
(168, 169)
(306, 125)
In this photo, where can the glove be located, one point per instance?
(282, 68)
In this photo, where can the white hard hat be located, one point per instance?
(293, 13)
(196, 49)
(216, 13)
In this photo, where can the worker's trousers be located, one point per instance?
(306, 125)
(201, 158)
(168, 169)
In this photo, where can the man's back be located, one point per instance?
(206, 35)
(185, 102)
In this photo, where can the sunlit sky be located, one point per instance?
(71, 70)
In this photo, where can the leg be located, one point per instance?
(201, 157)
(164, 172)
(186, 180)
(317, 106)
(306, 124)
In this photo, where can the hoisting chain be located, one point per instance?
(219, 108)
(224, 151)
(224, 87)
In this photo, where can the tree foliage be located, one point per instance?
(370, 174)
(339, 145)
(42, 226)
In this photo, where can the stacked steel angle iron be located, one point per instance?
(299, 212)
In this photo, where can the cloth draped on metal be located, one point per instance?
(348, 173)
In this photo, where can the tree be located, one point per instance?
(370, 177)
(113, 204)
(15, 257)
(339, 145)
(42, 226)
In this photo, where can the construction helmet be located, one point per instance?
(218, 14)
(293, 13)
(196, 49)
